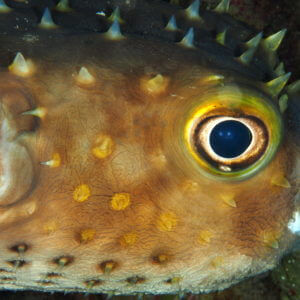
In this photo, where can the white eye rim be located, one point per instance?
(205, 143)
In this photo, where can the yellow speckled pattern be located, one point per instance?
(205, 236)
(128, 239)
(103, 146)
(120, 201)
(81, 193)
(87, 235)
(109, 180)
(167, 221)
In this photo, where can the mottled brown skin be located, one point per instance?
(53, 239)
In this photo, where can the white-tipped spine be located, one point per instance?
(47, 21)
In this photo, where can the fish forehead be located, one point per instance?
(103, 201)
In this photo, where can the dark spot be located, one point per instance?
(108, 266)
(45, 282)
(63, 261)
(8, 279)
(160, 259)
(92, 283)
(17, 263)
(173, 280)
(5, 271)
(53, 275)
(135, 280)
(19, 248)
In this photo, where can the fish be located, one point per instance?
(145, 148)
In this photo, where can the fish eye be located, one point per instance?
(230, 138)
(231, 143)
(232, 132)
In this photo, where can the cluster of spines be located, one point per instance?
(24, 68)
(270, 44)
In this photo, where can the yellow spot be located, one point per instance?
(50, 227)
(120, 201)
(174, 280)
(162, 258)
(81, 193)
(217, 261)
(190, 186)
(87, 235)
(159, 159)
(63, 261)
(228, 199)
(128, 239)
(167, 221)
(221, 37)
(155, 85)
(29, 208)
(204, 237)
(103, 146)
(108, 266)
(54, 162)
(270, 239)
(280, 180)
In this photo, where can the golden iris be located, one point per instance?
(235, 103)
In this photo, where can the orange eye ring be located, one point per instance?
(248, 106)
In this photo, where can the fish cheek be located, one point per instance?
(265, 206)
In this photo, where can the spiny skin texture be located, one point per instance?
(118, 207)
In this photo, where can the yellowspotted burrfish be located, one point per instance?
(145, 147)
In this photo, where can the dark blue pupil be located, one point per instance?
(230, 138)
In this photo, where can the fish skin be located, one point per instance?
(66, 219)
